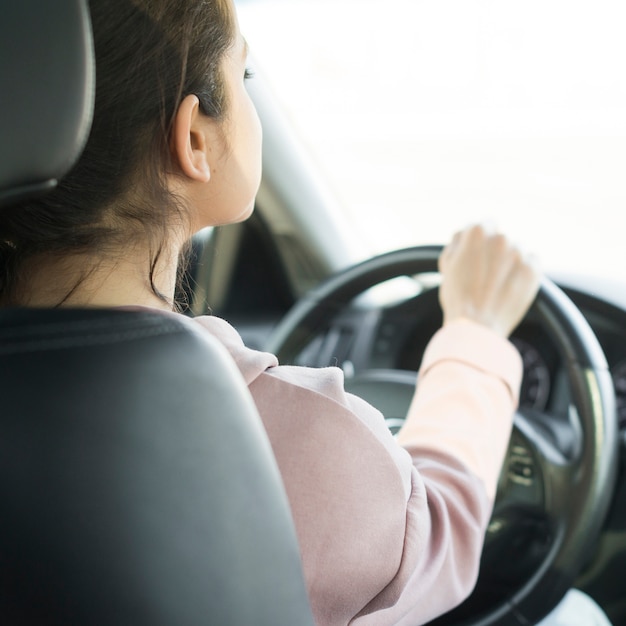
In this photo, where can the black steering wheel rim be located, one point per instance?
(594, 470)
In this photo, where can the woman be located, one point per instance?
(390, 530)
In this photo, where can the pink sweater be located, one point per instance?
(390, 530)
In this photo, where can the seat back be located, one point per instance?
(137, 483)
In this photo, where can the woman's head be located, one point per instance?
(127, 188)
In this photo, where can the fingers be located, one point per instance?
(449, 250)
(486, 278)
(519, 288)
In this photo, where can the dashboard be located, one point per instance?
(366, 337)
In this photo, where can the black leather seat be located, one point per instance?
(137, 483)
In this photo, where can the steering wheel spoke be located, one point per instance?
(542, 463)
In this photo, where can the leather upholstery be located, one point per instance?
(46, 92)
(136, 481)
(137, 484)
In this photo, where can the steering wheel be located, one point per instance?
(557, 480)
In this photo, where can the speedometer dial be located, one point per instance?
(536, 380)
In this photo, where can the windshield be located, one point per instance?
(426, 115)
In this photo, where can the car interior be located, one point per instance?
(127, 500)
(139, 486)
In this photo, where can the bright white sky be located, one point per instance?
(426, 115)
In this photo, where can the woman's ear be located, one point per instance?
(189, 142)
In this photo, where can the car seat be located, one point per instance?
(137, 483)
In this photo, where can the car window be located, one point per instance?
(425, 115)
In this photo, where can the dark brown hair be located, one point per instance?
(150, 54)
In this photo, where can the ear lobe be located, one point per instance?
(189, 143)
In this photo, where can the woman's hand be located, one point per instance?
(486, 279)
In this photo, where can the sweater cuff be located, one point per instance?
(469, 342)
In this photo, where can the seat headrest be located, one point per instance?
(47, 84)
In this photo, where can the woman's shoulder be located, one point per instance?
(304, 393)
(251, 363)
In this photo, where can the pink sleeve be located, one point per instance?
(468, 390)
(457, 432)
(390, 534)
